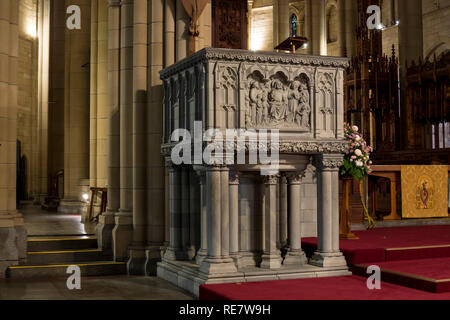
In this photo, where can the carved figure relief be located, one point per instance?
(278, 102)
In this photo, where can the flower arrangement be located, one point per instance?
(357, 159)
(357, 163)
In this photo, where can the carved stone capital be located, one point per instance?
(326, 162)
(273, 179)
(234, 177)
(295, 177)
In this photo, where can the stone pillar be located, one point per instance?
(123, 231)
(139, 131)
(283, 20)
(12, 230)
(271, 258)
(318, 36)
(234, 216)
(193, 215)
(182, 36)
(175, 251)
(40, 189)
(295, 255)
(283, 212)
(410, 41)
(106, 220)
(276, 41)
(184, 192)
(154, 129)
(225, 214)
(351, 16)
(214, 262)
(328, 253)
(169, 32)
(202, 252)
(341, 28)
(309, 25)
(76, 112)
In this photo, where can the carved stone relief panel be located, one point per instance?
(275, 101)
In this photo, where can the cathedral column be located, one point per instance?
(318, 36)
(410, 48)
(182, 37)
(218, 260)
(351, 16)
(40, 183)
(308, 25)
(106, 220)
(234, 215)
(283, 20)
(283, 212)
(123, 231)
(154, 130)
(328, 253)
(185, 210)
(271, 258)
(174, 251)
(295, 255)
(12, 230)
(225, 215)
(202, 252)
(341, 28)
(137, 249)
(169, 32)
(211, 264)
(76, 113)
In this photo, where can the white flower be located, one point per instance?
(358, 138)
(358, 152)
(359, 163)
(355, 128)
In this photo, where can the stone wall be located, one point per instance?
(436, 27)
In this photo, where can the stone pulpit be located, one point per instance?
(233, 216)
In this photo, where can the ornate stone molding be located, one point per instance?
(256, 57)
(286, 147)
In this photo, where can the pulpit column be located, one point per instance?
(283, 212)
(202, 253)
(295, 255)
(234, 216)
(328, 253)
(175, 251)
(271, 259)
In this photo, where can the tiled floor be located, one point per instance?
(39, 223)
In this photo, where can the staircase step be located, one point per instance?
(61, 243)
(46, 257)
(98, 268)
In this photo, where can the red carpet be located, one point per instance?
(425, 274)
(335, 288)
(415, 265)
(389, 244)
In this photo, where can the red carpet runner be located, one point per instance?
(415, 265)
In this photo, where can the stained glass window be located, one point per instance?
(293, 25)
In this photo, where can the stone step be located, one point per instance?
(59, 243)
(66, 256)
(99, 268)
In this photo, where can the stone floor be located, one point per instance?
(39, 223)
(93, 288)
